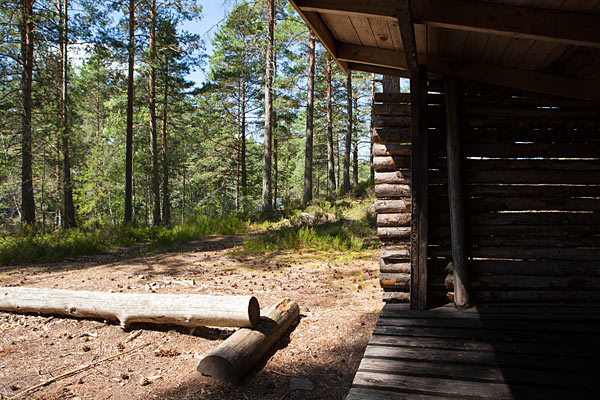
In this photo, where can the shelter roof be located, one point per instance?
(547, 46)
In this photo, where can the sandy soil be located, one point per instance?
(338, 295)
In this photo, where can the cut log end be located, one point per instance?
(253, 311)
(217, 367)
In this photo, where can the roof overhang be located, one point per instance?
(552, 51)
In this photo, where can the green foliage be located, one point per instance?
(210, 136)
(344, 225)
(27, 247)
(197, 227)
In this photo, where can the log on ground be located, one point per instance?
(242, 350)
(181, 309)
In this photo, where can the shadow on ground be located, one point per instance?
(272, 379)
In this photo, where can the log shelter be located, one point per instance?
(487, 184)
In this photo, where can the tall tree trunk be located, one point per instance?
(57, 163)
(267, 194)
(275, 133)
(152, 109)
(27, 199)
(275, 170)
(337, 151)
(391, 84)
(243, 141)
(165, 157)
(330, 156)
(183, 189)
(129, 139)
(68, 208)
(355, 147)
(308, 154)
(348, 141)
(238, 148)
(372, 170)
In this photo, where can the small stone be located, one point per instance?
(301, 384)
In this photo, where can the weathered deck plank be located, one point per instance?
(505, 352)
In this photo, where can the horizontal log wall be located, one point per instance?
(392, 162)
(531, 176)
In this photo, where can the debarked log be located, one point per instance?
(392, 191)
(127, 308)
(242, 350)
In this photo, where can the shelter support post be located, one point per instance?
(420, 169)
(455, 198)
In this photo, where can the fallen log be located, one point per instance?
(237, 354)
(181, 309)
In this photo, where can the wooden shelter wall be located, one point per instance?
(531, 176)
(392, 162)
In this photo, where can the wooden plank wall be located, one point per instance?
(531, 173)
(391, 161)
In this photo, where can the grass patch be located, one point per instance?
(327, 237)
(343, 226)
(27, 246)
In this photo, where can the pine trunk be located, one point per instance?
(391, 84)
(308, 155)
(243, 142)
(129, 139)
(27, 199)
(68, 208)
(330, 157)
(238, 149)
(165, 157)
(355, 149)
(267, 193)
(152, 110)
(183, 188)
(274, 133)
(348, 141)
(372, 172)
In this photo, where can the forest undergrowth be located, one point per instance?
(326, 225)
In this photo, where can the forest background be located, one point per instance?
(101, 126)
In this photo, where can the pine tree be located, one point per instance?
(267, 194)
(330, 150)
(128, 214)
(68, 208)
(308, 155)
(27, 199)
(348, 138)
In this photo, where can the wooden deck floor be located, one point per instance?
(496, 352)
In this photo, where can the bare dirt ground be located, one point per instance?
(338, 295)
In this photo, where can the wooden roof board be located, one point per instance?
(515, 51)
(382, 33)
(536, 54)
(395, 34)
(453, 47)
(476, 42)
(363, 29)
(341, 28)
